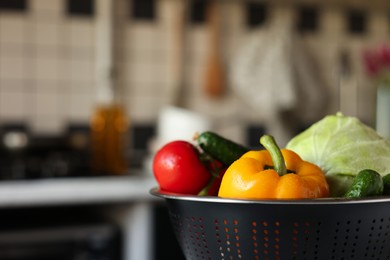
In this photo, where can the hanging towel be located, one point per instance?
(273, 73)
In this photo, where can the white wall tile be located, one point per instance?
(379, 26)
(64, 70)
(144, 36)
(143, 107)
(12, 68)
(83, 53)
(166, 11)
(14, 85)
(81, 70)
(46, 52)
(46, 69)
(198, 40)
(13, 104)
(141, 74)
(196, 80)
(333, 22)
(150, 56)
(46, 86)
(82, 32)
(81, 87)
(232, 28)
(13, 50)
(47, 6)
(79, 106)
(227, 107)
(47, 34)
(47, 125)
(47, 104)
(12, 29)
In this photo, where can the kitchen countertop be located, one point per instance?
(77, 190)
(131, 190)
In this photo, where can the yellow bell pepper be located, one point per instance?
(273, 174)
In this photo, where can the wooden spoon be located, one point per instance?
(214, 75)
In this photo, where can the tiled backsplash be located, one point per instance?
(46, 66)
(47, 56)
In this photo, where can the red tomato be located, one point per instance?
(177, 168)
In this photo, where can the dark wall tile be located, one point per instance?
(256, 14)
(356, 21)
(80, 7)
(198, 11)
(142, 133)
(308, 19)
(253, 134)
(13, 5)
(143, 9)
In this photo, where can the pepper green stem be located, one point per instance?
(205, 190)
(270, 144)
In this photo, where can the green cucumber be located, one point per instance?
(222, 149)
(386, 184)
(366, 183)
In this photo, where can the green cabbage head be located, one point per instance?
(342, 146)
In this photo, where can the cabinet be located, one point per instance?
(123, 200)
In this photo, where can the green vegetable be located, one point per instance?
(342, 146)
(386, 184)
(366, 183)
(220, 148)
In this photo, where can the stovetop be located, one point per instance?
(24, 156)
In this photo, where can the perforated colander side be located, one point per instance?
(209, 230)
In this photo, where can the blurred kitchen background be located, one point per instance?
(161, 70)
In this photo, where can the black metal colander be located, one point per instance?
(216, 228)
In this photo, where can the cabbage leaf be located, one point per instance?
(342, 146)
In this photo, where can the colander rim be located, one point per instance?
(320, 201)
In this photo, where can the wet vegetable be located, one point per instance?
(273, 174)
(224, 150)
(178, 168)
(366, 183)
(342, 146)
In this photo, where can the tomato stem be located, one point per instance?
(270, 144)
